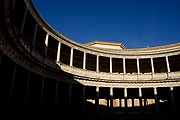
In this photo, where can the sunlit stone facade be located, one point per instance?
(43, 71)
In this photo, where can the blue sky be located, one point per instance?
(134, 23)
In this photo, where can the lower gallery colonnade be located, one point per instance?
(46, 73)
(32, 92)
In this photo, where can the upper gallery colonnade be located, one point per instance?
(39, 39)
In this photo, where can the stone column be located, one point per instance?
(70, 95)
(42, 94)
(46, 43)
(110, 64)
(140, 99)
(132, 103)
(34, 36)
(173, 101)
(12, 85)
(13, 4)
(125, 100)
(71, 57)
(27, 88)
(111, 99)
(83, 98)
(56, 95)
(138, 69)
(97, 99)
(1, 55)
(97, 63)
(152, 65)
(145, 102)
(58, 52)
(107, 99)
(156, 100)
(120, 103)
(124, 66)
(84, 61)
(167, 63)
(23, 21)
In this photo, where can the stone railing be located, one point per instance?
(120, 76)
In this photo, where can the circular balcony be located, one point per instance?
(104, 63)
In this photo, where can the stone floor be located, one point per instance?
(102, 116)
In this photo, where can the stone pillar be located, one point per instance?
(46, 43)
(97, 63)
(173, 101)
(23, 21)
(1, 55)
(56, 95)
(12, 85)
(107, 99)
(58, 52)
(125, 100)
(138, 69)
(120, 105)
(13, 4)
(97, 99)
(110, 64)
(70, 95)
(111, 99)
(140, 99)
(83, 98)
(167, 63)
(156, 100)
(84, 61)
(132, 103)
(71, 57)
(152, 65)
(34, 36)
(27, 88)
(42, 94)
(124, 66)
(145, 102)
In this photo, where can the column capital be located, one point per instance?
(97, 88)
(171, 88)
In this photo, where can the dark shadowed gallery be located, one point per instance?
(44, 74)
